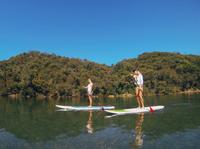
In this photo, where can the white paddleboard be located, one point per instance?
(134, 110)
(85, 108)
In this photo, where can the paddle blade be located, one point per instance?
(151, 110)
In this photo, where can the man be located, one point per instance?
(89, 91)
(137, 75)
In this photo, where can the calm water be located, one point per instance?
(36, 124)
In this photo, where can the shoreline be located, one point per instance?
(126, 95)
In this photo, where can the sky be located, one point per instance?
(103, 31)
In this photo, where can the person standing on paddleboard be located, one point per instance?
(89, 91)
(138, 77)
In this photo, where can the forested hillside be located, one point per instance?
(164, 72)
(35, 73)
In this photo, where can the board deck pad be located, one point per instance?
(85, 108)
(135, 110)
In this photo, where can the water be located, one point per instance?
(36, 124)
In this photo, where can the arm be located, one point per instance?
(135, 79)
(85, 86)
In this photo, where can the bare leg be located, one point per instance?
(90, 99)
(141, 98)
(137, 96)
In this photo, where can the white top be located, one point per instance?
(139, 80)
(89, 88)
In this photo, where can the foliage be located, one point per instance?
(33, 73)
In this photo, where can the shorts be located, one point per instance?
(140, 88)
(90, 93)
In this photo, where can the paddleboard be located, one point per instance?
(85, 108)
(134, 110)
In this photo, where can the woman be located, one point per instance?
(89, 91)
(138, 77)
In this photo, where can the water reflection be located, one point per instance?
(138, 142)
(89, 125)
(35, 124)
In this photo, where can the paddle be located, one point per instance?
(151, 110)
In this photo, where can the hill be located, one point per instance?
(164, 72)
(42, 74)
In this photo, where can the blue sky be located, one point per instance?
(104, 31)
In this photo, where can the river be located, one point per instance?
(34, 123)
